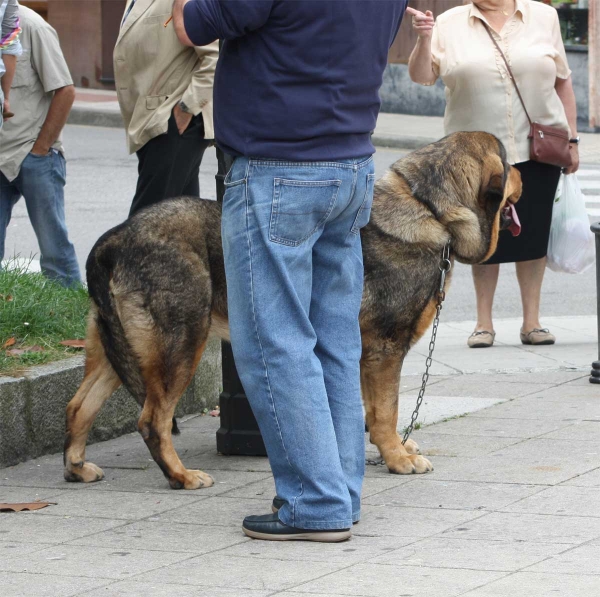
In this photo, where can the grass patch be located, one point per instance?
(37, 313)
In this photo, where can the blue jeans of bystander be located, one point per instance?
(293, 259)
(41, 182)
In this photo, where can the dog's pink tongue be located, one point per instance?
(515, 227)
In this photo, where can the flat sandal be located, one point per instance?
(482, 339)
(538, 337)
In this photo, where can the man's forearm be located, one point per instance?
(179, 24)
(10, 64)
(56, 119)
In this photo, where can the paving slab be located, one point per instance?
(358, 550)
(539, 585)
(30, 526)
(533, 461)
(500, 358)
(508, 496)
(44, 585)
(131, 588)
(554, 378)
(26, 494)
(91, 562)
(241, 573)
(589, 479)
(217, 511)
(439, 408)
(568, 410)
(434, 444)
(165, 536)
(584, 559)
(578, 391)
(295, 594)
(428, 492)
(478, 386)
(383, 580)
(410, 522)
(443, 552)
(12, 548)
(533, 528)
(578, 431)
(487, 425)
(119, 505)
(560, 500)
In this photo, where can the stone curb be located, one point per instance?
(109, 118)
(401, 141)
(89, 117)
(32, 408)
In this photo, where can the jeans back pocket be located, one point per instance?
(364, 212)
(300, 208)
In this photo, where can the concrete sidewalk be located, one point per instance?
(513, 506)
(398, 131)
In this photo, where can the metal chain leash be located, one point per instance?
(445, 267)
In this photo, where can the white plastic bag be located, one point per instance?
(571, 245)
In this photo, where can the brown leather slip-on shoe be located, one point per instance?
(270, 528)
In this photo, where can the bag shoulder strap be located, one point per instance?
(512, 77)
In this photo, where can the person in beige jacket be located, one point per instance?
(165, 95)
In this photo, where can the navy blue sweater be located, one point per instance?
(296, 79)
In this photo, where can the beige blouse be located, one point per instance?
(479, 93)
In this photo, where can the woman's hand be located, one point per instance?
(575, 159)
(422, 23)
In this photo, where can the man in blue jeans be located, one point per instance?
(296, 99)
(32, 163)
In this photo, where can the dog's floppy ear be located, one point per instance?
(470, 222)
(493, 181)
(514, 185)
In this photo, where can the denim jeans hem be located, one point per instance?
(356, 517)
(319, 525)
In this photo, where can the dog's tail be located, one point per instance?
(99, 268)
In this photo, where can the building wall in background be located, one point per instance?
(88, 31)
(400, 95)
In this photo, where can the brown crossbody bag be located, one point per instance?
(548, 144)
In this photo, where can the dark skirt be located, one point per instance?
(535, 213)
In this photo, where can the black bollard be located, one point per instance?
(239, 433)
(595, 376)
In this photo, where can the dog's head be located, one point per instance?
(463, 190)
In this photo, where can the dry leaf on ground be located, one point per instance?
(25, 506)
(17, 352)
(73, 343)
(9, 342)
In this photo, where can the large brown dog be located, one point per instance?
(157, 285)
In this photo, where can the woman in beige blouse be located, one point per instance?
(481, 96)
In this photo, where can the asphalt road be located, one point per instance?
(101, 182)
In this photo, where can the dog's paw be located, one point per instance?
(408, 465)
(412, 447)
(85, 472)
(195, 480)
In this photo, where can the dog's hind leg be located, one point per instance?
(156, 420)
(380, 384)
(99, 382)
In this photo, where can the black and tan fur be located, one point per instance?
(157, 285)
